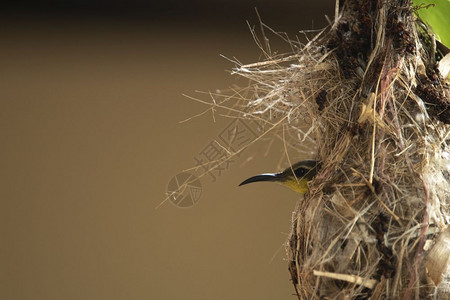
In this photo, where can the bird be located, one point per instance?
(295, 177)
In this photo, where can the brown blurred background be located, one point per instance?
(91, 99)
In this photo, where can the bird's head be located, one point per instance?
(295, 177)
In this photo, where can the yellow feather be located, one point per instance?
(300, 186)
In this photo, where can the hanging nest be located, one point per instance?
(367, 95)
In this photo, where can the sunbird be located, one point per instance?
(295, 177)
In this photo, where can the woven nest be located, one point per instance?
(367, 95)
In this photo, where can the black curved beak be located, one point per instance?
(264, 177)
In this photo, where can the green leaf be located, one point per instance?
(437, 16)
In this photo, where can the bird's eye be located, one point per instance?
(300, 172)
